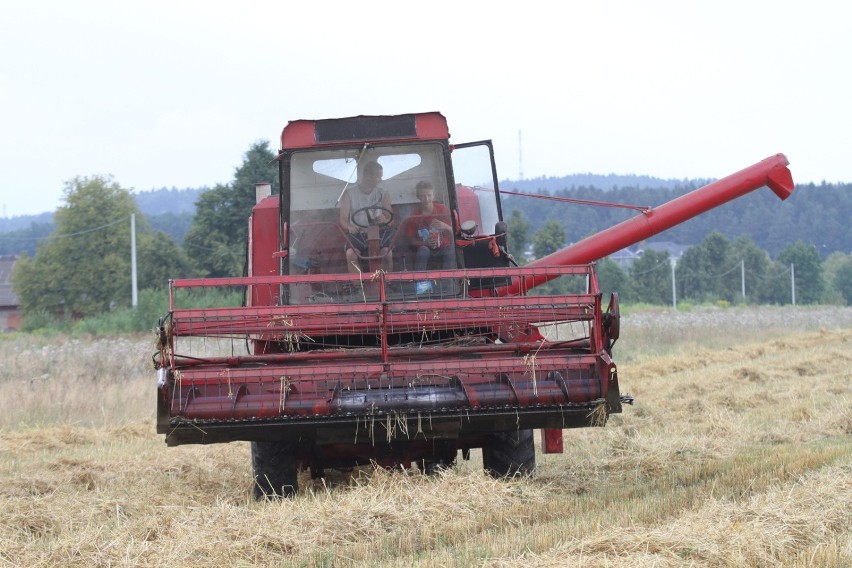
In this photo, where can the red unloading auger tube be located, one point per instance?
(772, 172)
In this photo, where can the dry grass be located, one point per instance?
(737, 453)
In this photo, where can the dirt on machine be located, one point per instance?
(382, 318)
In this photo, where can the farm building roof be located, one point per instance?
(8, 298)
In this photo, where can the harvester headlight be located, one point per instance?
(468, 229)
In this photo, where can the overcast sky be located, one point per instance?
(172, 94)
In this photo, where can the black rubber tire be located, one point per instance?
(509, 454)
(273, 466)
(435, 466)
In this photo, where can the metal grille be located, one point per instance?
(383, 343)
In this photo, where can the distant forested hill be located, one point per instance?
(8, 224)
(159, 201)
(167, 210)
(604, 182)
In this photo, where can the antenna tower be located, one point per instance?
(520, 158)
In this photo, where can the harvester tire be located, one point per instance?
(273, 467)
(509, 454)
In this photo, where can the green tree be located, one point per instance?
(84, 268)
(775, 288)
(212, 239)
(612, 278)
(838, 276)
(217, 238)
(650, 277)
(159, 259)
(519, 234)
(842, 280)
(756, 262)
(810, 283)
(702, 270)
(549, 239)
(807, 264)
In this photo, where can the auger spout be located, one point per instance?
(772, 172)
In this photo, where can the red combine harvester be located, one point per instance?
(383, 320)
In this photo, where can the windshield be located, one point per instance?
(336, 195)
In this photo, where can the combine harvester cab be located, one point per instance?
(365, 331)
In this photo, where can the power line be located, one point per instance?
(736, 266)
(777, 274)
(640, 208)
(226, 249)
(653, 268)
(719, 275)
(76, 234)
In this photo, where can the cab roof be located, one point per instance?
(363, 128)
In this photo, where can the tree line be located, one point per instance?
(716, 270)
(81, 266)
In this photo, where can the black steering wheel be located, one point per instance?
(366, 210)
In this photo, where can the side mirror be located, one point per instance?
(501, 231)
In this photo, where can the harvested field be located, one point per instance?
(738, 452)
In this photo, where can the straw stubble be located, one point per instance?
(737, 453)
